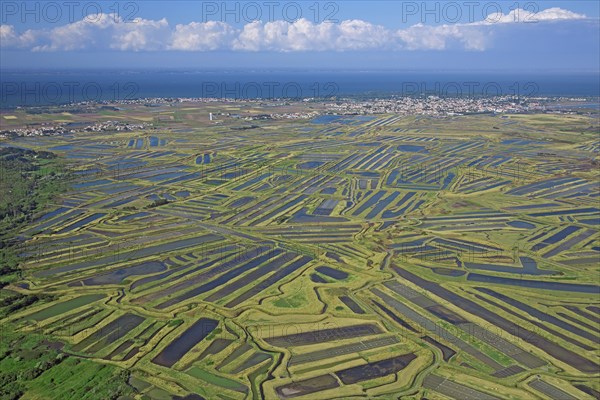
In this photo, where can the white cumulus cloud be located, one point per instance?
(443, 37)
(201, 36)
(476, 36)
(140, 35)
(520, 15)
(110, 32)
(304, 35)
(11, 39)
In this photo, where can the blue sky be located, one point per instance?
(388, 13)
(433, 35)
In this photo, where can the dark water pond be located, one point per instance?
(118, 275)
(332, 272)
(412, 148)
(566, 287)
(184, 343)
(375, 369)
(521, 224)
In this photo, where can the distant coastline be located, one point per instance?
(313, 110)
(55, 87)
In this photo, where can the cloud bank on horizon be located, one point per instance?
(110, 32)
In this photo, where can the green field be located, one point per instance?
(377, 256)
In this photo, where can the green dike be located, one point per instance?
(35, 368)
(29, 181)
(64, 307)
(368, 247)
(80, 379)
(294, 301)
(216, 379)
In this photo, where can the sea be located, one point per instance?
(54, 87)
